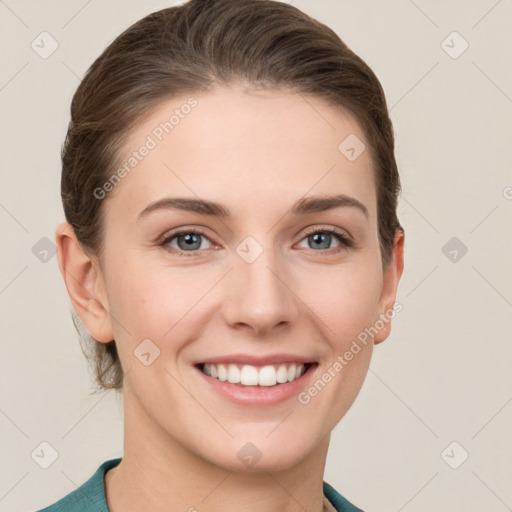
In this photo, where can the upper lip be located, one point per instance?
(257, 360)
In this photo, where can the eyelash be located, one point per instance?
(344, 240)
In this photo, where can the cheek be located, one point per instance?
(345, 299)
(150, 302)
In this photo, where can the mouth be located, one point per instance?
(256, 376)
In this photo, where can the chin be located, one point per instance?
(261, 454)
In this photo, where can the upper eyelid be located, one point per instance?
(339, 231)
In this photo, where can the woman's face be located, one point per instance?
(268, 280)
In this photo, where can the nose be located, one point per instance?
(259, 295)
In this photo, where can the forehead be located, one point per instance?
(265, 147)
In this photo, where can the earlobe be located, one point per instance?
(84, 284)
(392, 276)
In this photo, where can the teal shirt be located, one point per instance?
(90, 496)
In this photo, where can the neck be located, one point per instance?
(158, 473)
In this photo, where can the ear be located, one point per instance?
(392, 276)
(84, 282)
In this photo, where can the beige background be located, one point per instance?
(444, 374)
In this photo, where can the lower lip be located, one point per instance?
(259, 396)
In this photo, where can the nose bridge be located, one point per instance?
(258, 294)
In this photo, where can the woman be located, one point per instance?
(233, 249)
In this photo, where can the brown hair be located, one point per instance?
(192, 47)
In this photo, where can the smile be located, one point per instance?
(251, 380)
(249, 375)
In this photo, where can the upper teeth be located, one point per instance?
(249, 375)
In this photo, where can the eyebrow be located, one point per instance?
(301, 207)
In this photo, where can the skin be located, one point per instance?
(256, 152)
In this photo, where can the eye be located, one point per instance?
(187, 241)
(190, 241)
(322, 238)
